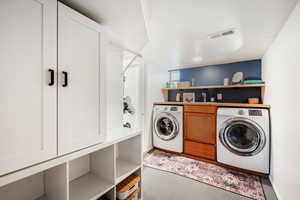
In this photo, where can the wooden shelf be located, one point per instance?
(88, 187)
(218, 86)
(124, 169)
(214, 104)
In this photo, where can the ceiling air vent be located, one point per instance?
(221, 34)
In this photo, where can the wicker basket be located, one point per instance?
(127, 187)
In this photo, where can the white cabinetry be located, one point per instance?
(27, 103)
(83, 175)
(79, 93)
(52, 82)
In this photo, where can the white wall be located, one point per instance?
(134, 88)
(114, 79)
(281, 71)
(156, 77)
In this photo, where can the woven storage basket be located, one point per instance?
(128, 186)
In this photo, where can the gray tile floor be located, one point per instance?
(161, 185)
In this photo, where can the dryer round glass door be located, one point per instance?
(166, 126)
(242, 136)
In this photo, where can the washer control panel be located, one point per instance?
(255, 112)
(174, 108)
(168, 108)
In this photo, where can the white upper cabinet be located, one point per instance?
(28, 103)
(52, 82)
(79, 87)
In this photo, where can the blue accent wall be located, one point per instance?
(215, 74)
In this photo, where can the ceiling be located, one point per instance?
(175, 33)
(178, 30)
(124, 17)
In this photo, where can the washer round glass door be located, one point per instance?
(242, 136)
(166, 126)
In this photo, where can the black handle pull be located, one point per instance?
(51, 77)
(66, 79)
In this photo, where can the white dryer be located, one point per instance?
(167, 127)
(244, 138)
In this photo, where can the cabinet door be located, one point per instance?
(27, 103)
(201, 150)
(79, 81)
(200, 127)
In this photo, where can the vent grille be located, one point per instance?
(221, 34)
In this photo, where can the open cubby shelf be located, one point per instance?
(88, 186)
(88, 177)
(128, 158)
(124, 169)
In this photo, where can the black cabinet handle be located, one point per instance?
(51, 77)
(66, 79)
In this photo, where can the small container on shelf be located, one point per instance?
(193, 82)
(172, 84)
(178, 97)
(253, 100)
(129, 188)
(184, 84)
(165, 93)
(226, 81)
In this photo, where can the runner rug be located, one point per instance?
(227, 179)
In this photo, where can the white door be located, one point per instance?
(79, 81)
(27, 101)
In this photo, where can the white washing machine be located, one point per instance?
(167, 127)
(244, 138)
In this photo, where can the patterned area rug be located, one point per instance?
(234, 181)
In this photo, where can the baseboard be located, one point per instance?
(147, 151)
(275, 188)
